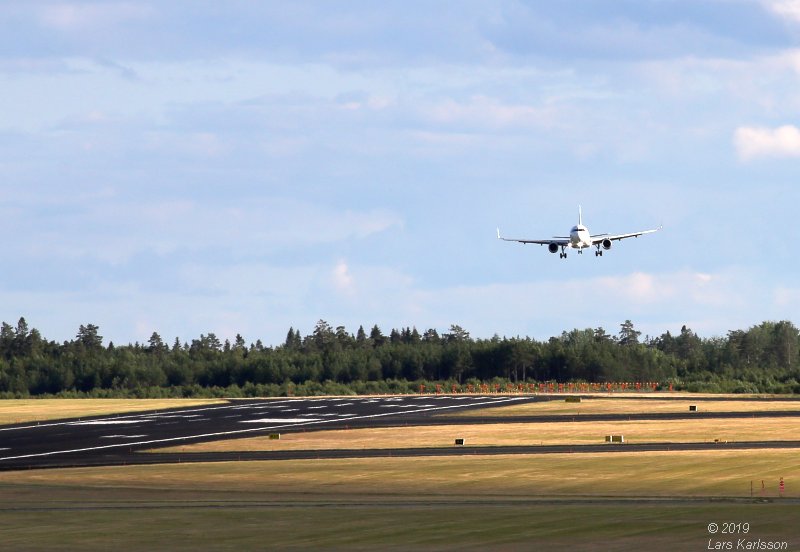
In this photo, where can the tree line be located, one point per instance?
(763, 358)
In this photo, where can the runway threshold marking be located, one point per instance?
(141, 415)
(250, 430)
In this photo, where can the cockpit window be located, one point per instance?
(574, 229)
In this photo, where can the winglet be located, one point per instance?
(498, 233)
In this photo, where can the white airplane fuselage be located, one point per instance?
(579, 237)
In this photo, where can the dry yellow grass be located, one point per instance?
(708, 473)
(13, 411)
(613, 405)
(515, 434)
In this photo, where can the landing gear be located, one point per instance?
(563, 254)
(598, 253)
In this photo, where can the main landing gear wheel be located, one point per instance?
(598, 253)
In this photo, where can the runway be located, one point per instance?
(119, 439)
(116, 439)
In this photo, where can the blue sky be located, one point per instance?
(244, 167)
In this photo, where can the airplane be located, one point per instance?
(579, 238)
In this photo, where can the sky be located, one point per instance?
(245, 167)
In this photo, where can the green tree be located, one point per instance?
(89, 337)
(628, 336)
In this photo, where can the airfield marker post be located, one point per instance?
(781, 487)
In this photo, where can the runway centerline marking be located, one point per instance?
(278, 421)
(108, 422)
(250, 430)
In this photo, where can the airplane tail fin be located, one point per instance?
(580, 216)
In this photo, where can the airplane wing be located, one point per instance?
(558, 240)
(597, 238)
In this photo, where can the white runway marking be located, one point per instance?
(108, 422)
(278, 421)
(167, 416)
(122, 436)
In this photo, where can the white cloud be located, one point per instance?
(165, 226)
(342, 279)
(757, 142)
(84, 16)
(483, 111)
(786, 9)
(714, 302)
(787, 298)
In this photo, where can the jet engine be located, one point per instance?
(606, 244)
(552, 247)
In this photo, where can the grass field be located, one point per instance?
(15, 411)
(515, 434)
(489, 525)
(593, 502)
(577, 502)
(662, 474)
(617, 405)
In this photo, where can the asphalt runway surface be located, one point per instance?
(120, 439)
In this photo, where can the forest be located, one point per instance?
(331, 360)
